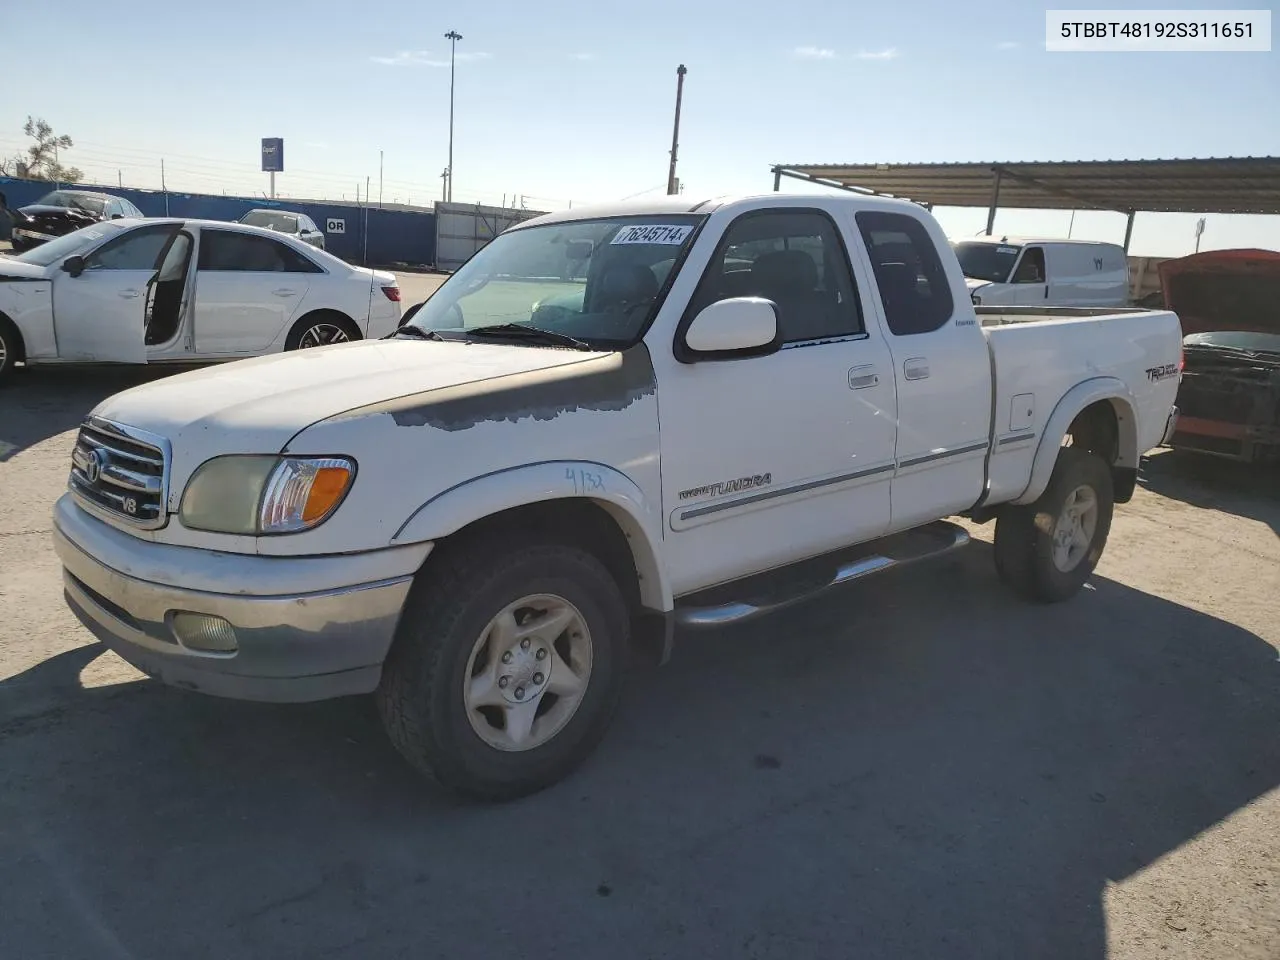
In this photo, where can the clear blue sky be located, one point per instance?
(571, 100)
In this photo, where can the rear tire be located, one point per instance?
(320, 329)
(457, 680)
(1045, 551)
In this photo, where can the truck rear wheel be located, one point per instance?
(507, 666)
(1047, 550)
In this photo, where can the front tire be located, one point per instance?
(507, 666)
(1045, 551)
(10, 349)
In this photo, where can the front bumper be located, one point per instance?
(32, 236)
(306, 628)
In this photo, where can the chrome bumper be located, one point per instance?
(1170, 426)
(306, 628)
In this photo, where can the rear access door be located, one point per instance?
(941, 366)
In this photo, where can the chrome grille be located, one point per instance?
(121, 471)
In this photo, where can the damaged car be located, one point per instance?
(60, 212)
(1229, 398)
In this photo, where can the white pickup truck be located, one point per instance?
(482, 516)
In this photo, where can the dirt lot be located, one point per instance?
(920, 767)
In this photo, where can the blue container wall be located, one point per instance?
(372, 236)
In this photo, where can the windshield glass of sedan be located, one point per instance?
(986, 261)
(77, 241)
(284, 222)
(596, 280)
(76, 201)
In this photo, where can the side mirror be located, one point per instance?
(733, 328)
(73, 265)
(117, 216)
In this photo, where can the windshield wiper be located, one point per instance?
(525, 332)
(417, 332)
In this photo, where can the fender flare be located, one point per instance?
(452, 509)
(1068, 408)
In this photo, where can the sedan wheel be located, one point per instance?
(321, 335)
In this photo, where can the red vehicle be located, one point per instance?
(1229, 305)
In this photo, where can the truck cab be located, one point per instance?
(1044, 273)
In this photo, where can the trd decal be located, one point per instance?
(727, 486)
(1155, 374)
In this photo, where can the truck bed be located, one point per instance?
(1040, 353)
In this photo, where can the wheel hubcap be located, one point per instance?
(527, 672)
(1073, 533)
(321, 335)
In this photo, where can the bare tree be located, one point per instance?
(40, 161)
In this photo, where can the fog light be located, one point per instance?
(204, 633)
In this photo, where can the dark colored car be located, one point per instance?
(1229, 398)
(65, 211)
(297, 225)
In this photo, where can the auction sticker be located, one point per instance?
(671, 234)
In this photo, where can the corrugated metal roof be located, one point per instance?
(1211, 185)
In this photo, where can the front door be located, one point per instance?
(248, 288)
(1028, 284)
(772, 459)
(99, 315)
(942, 369)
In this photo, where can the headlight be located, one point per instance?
(253, 495)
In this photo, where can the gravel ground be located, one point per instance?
(919, 767)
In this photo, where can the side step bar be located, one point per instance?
(753, 597)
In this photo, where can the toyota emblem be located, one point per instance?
(93, 466)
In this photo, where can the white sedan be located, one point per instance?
(166, 289)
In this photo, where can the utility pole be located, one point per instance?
(379, 179)
(453, 36)
(675, 133)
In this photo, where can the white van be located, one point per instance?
(1033, 272)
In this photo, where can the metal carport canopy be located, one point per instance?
(1215, 185)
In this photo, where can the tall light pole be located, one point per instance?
(453, 36)
(675, 133)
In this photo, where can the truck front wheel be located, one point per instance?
(507, 666)
(1047, 550)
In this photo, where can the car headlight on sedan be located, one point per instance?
(263, 495)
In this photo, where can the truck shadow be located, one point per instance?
(922, 766)
(1242, 489)
(44, 402)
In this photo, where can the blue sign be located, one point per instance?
(272, 154)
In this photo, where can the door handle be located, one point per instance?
(863, 376)
(284, 293)
(917, 368)
(128, 294)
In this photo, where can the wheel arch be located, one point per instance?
(1099, 414)
(601, 505)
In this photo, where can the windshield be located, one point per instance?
(284, 222)
(598, 281)
(1235, 340)
(78, 241)
(77, 201)
(986, 261)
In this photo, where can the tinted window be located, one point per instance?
(909, 273)
(221, 250)
(795, 259)
(986, 261)
(136, 250)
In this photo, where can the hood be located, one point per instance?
(12, 269)
(46, 211)
(972, 283)
(257, 405)
(1224, 290)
